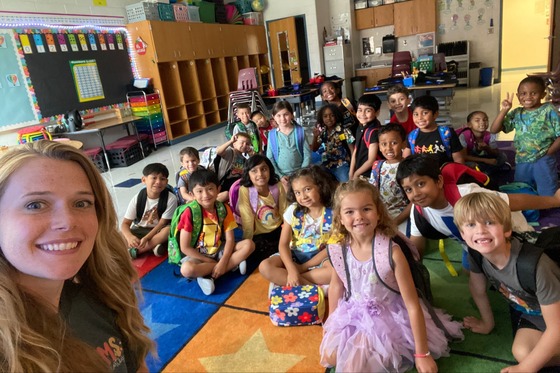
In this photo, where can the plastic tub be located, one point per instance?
(486, 76)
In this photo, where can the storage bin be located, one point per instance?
(253, 18)
(140, 98)
(206, 11)
(181, 12)
(141, 12)
(146, 110)
(194, 15)
(244, 6)
(144, 139)
(372, 3)
(166, 12)
(124, 153)
(96, 156)
(486, 76)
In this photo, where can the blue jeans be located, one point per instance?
(341, 173)
(542, 173)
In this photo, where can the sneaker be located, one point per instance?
(243, 267)
(160, 249)
(206, 285)
(133, 252)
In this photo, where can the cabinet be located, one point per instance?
(374, 17)
(414, 17)
(194, 67)
(338, 61)
(374, 75)
(463, 62)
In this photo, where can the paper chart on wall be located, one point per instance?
(87, 80)
(17, 103)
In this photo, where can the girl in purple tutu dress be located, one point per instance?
(372, 328)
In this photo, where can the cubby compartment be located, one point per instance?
(197, 123)
(180, 128)
(189, 81)
(212, 118)
(254, 61)
(223, 114)
(220, 76)
(195, 109)
(171, 84)
(232, 72)
(176, 114)
(205, 78)
(223, 102)
(243, 62)
(210, 104)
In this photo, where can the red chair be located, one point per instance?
(401, 63)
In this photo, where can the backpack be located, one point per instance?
(368, 132)
(173, 241)
(547, 243)
(253, 198)
(375, 177)
(273, 140)
(444, 133)
(383, 245)
(230, 127)
(453, 174)
(520, 187)
(162, 202)
(469, 137)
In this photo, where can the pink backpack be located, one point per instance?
(253, 198)
(469, 137)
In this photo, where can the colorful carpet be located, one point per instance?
(230, 331)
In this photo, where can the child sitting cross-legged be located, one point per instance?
(209, 256)
(145, 226)
(485, 224)
(302, 258)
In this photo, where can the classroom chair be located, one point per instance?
(401, 63)
(247, 92)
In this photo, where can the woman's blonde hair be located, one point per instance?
(481, 207)
(35, 339)
(385, 224)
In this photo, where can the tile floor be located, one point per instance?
(122, 188)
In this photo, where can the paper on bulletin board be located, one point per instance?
(16, 106)
(87, 80)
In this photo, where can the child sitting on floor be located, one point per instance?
(485, 225)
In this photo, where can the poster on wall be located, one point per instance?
(87, 80)
(17, 103)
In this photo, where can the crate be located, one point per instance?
(181, 12)
(123, 153)
(141, 12)
(144, 140)
(96, 156)
(253, 18)
(166, 12)
(158, 137)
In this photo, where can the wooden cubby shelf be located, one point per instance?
(194, 66)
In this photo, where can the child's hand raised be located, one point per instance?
(507, 103)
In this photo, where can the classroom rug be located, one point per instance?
(230, 331)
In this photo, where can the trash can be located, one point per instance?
(486, 76)
(358, 86)
(474, 74)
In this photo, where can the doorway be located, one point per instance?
(288, 50)
(523, 51)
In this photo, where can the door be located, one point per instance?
(554, 37)
(284, 51)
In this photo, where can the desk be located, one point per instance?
(99, 129)
(297, 100)
(436, 90)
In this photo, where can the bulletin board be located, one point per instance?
(17, 103)
(75, 69)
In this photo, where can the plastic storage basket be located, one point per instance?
(253, 18)
(181, 12)
(141, 12)
(123, 153)
(96, 156)
(166, 12)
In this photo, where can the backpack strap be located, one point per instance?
(348, 105)
(337, 254)
(384, 266)
(143, 198)
(367, 134)
(173, 240)
(375, 177)
(526, 266)
(273, 143)
(300, 138)
(412, 139)
(424, 226)
(468, 135)
(445, 134)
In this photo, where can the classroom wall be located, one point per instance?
(73, 7)
(521, 48)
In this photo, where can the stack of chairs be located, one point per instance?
(247, 92)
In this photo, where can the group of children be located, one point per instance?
(284, 202)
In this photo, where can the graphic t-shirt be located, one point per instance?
(391, 193)
(432, 144)
(333, 149)
(150, 216)
(210, 238)
(311, 236)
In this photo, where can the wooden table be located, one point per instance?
(99, 129)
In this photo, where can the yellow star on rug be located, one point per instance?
(253, 356)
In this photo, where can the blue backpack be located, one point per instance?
(273, 140)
